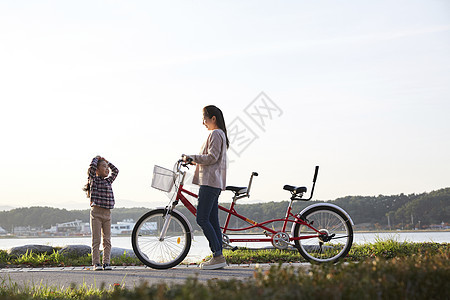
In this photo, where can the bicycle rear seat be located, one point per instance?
(295, 189)
(236, 189)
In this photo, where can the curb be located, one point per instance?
(126, 268)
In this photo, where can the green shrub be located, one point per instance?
(4, 257)
(382, 249)
(413, 277)
(392, 248)
(123, 260)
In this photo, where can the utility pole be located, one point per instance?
(389, 223)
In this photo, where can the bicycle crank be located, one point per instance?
(226, 243)
(280, 240)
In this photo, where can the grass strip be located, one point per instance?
(381, 249)
(386, 249)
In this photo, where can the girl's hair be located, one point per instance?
(213, 111)
(87, 186)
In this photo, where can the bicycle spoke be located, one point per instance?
(341, 237)
(333, 240)
(156, 252)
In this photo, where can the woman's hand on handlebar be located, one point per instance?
(187, 160)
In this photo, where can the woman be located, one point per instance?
(210, 175)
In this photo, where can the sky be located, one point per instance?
(359, 88)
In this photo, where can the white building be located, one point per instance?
(78, 227)
(124, 227)
(70, 228)
(2, 231)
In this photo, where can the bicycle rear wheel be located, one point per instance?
(336, 241)
(161, 252)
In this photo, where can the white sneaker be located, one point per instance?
(215, 263)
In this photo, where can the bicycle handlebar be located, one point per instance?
(183, 163)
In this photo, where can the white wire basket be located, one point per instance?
(163, 179)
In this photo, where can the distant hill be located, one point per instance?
(402, 211)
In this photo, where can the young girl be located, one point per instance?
(210, 174)
(100, 192)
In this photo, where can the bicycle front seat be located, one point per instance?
(295, 189)
(236, 189)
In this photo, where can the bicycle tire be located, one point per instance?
(153, 252)
(324, 219)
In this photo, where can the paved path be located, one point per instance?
(126, 276)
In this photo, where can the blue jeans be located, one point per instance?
(208, 217)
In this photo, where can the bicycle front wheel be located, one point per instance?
(157, 250)
(334, 239)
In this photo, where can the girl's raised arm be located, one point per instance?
(114, 172)
(93, 166)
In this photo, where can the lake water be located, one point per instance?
(200, 249)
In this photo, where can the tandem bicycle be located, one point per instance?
(162, 237)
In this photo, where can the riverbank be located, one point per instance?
(382, 249)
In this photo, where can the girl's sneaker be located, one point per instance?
(97, 267)
(107, 267)
(215, 263)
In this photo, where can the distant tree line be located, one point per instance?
(378, 212)
(401, 211)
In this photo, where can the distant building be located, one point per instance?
(76, 227)
(73, 228)
(440, 226)
(27, 231)
(2, 231)
(124, 227)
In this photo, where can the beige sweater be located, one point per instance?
(211, 169)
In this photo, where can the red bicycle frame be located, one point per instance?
(289, 217)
